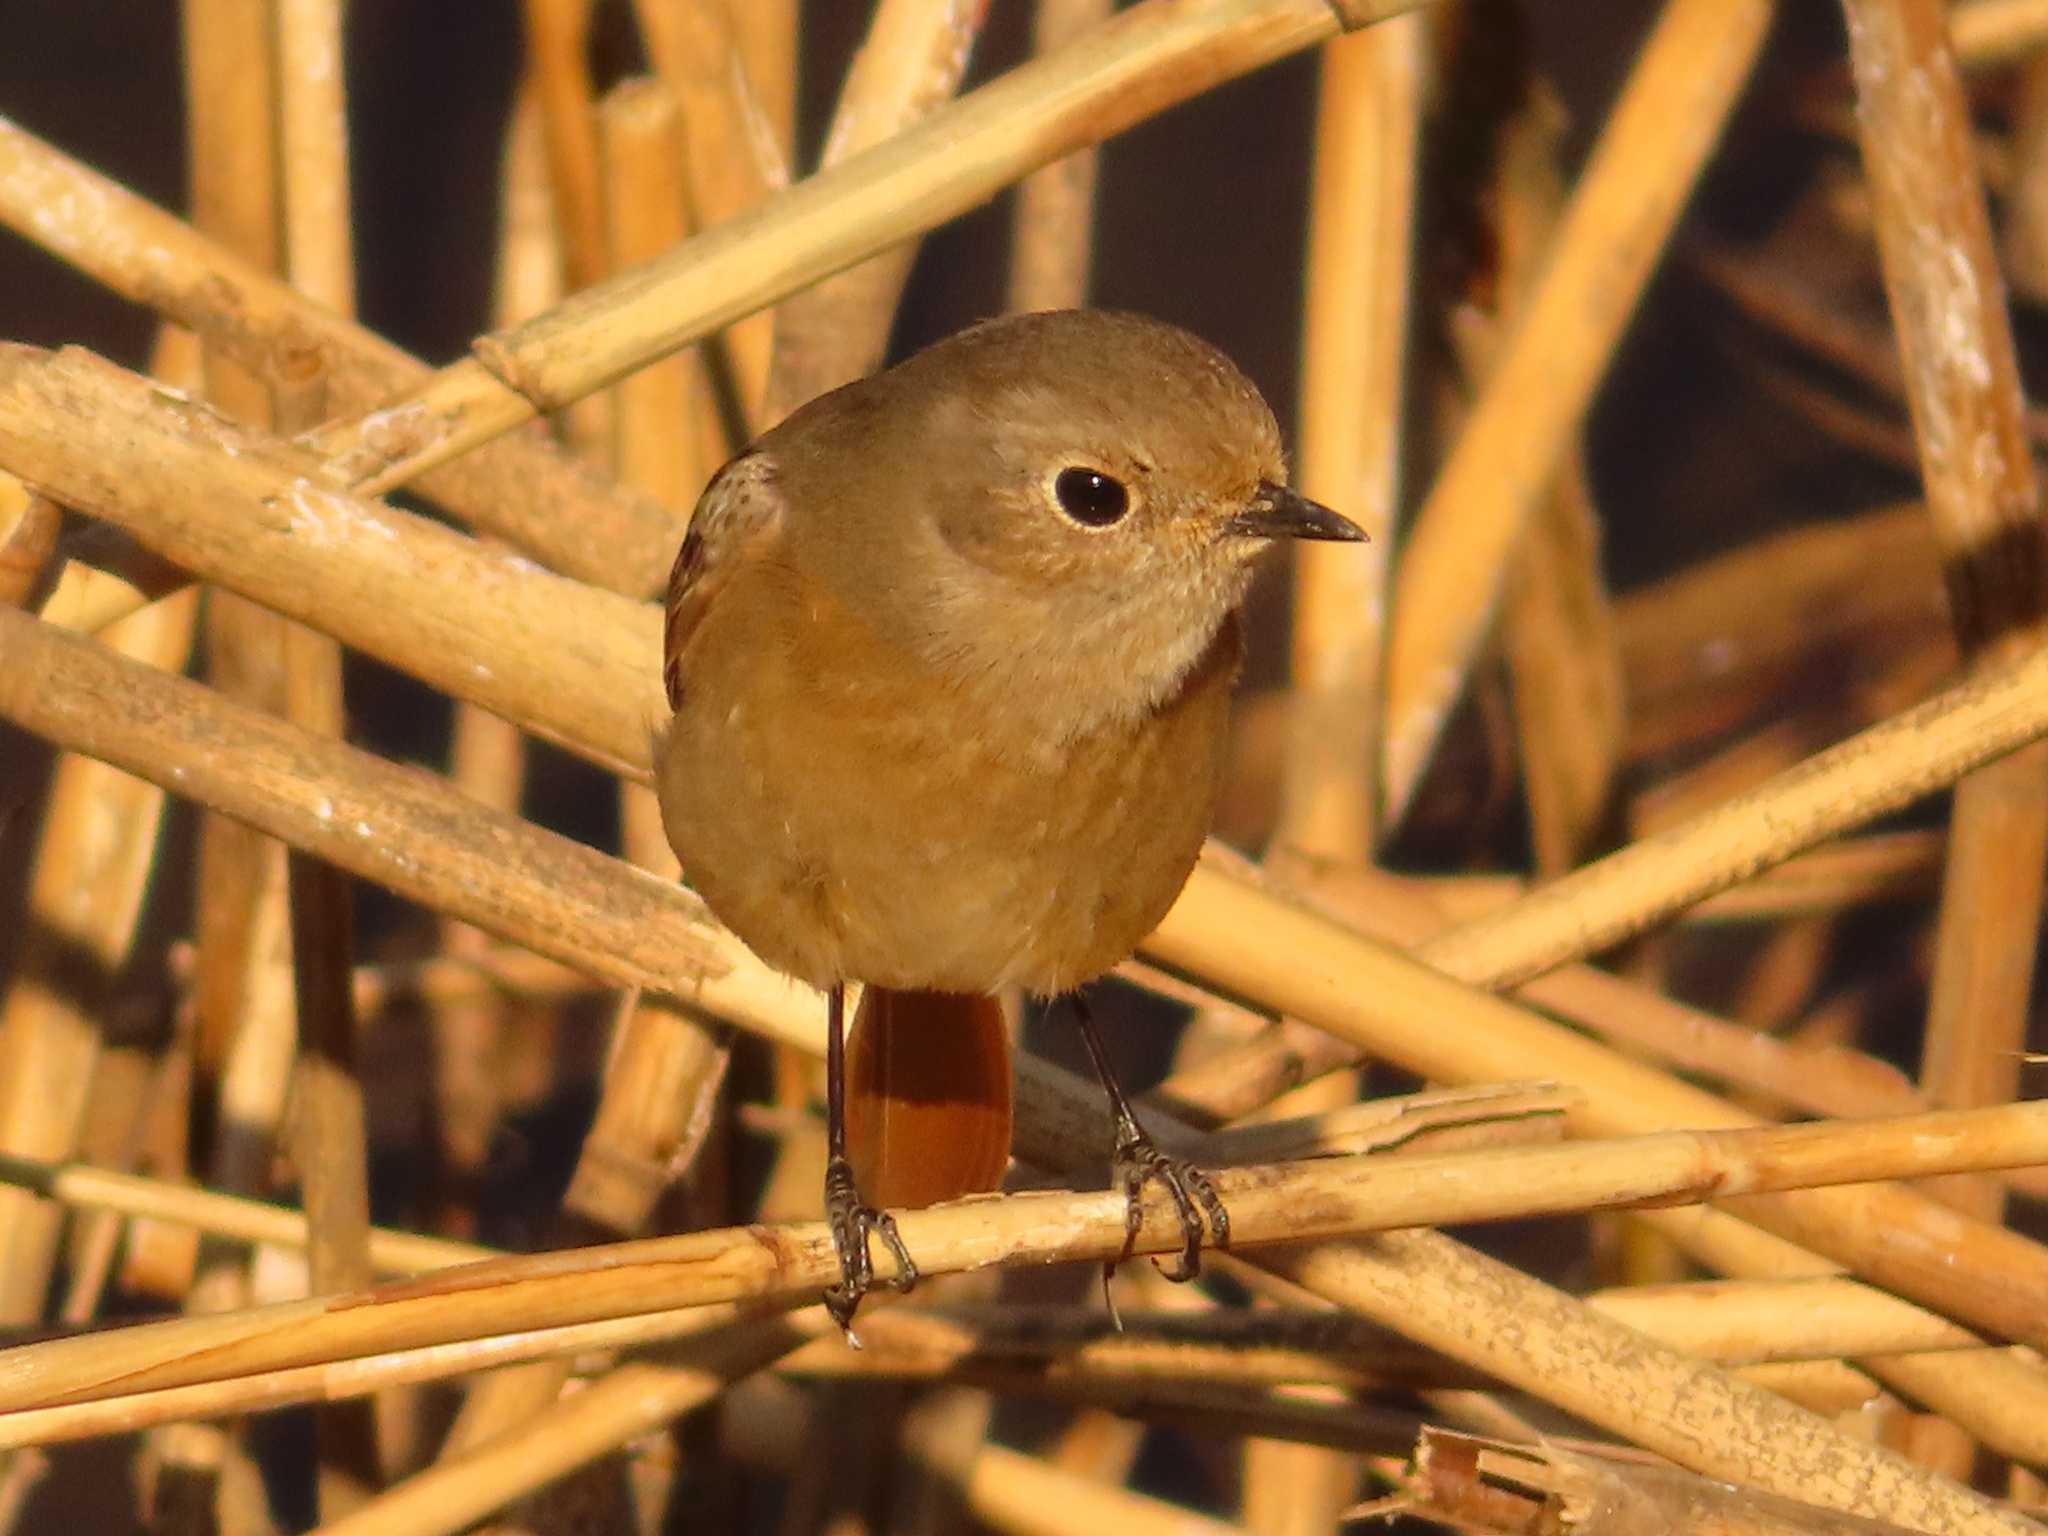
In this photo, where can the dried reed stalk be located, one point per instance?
(1863, 587)
(1751, 1321)
(836, 330)
(520, 488)
(1004, 1488)
(245, 1027)
(1962, 379)
(632, 1401)
(28, 540)
(1142, 61)
(666, 427)
(1479, 1487)
(1557, 628)
(87, 1187)
(1052, 231)
(558, 46)
(1354, 361)
(243, 1038)
(767, 32)
(327, 1132)
(1827, 1080)
(1747, 1431)
(378, 820)
(1008, 1348)
(91, 869)
(1242, 939)
(734, 158)
(1651, 150)
(666, 1067)
(1278, 1204)
(1540, 1340)
(1990, 32)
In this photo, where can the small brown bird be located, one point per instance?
(950, 652)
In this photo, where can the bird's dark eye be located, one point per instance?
(1090, 497)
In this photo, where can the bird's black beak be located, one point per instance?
(1279, 513)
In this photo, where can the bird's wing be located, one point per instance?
(739, 509)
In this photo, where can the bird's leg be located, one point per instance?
(1138, 1161)
(852, 1222)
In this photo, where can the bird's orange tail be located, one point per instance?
(927, 1096)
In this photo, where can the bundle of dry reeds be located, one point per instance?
(1693, 918)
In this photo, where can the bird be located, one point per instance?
(949, 654)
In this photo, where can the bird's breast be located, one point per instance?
(852, 817)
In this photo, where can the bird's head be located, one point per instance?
(1077, 494)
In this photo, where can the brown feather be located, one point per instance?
(927, 1096)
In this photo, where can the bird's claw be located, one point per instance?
(1138, 1161)
(852, 1225)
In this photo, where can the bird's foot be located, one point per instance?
(1138, 1161)
(853, 1224)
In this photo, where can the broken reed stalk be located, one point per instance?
(1284, 1203)
(1143, 60)
(1651, 150)
(1962, 379)
(1536, 1338)
(1361, 238)
(1478, 1486)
